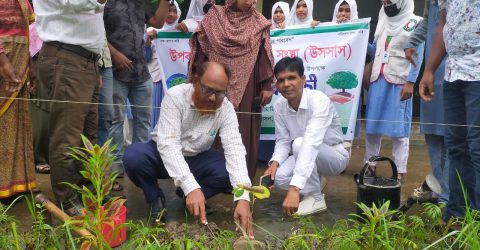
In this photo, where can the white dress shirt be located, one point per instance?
(181, 131)
(77, 22)
(316, 121)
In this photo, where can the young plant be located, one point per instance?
(9, 238)
(257, 192)
(41, 234)
(96, 161)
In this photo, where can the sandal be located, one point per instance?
(42, 169)
(117, 187)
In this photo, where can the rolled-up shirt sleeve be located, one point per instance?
(314, 134)
(170, 147)
(234, 151)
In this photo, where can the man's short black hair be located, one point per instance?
(293, 64)
(203, 68)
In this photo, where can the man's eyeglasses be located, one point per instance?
(207, 91)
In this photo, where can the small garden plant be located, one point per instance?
(99, 208)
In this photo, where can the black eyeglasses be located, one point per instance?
(207, 91)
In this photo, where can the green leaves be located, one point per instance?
(238, 192)
(96, 163)
(258, 192)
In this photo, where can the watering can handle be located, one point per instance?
(376, 159)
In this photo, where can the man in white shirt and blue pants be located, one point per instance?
(308, 140)
(191, 117)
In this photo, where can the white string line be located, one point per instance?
(237, 112)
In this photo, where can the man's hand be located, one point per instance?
(425, 89)
(411, 55)
(271, 170)
(121, 61)
(182, 27)
(7, 72)
(292, 201)
(243, 217)
(407, 91)
(196, 205)
(266, 96)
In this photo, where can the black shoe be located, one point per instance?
(157, 212)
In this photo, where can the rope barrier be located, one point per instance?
(237, 112)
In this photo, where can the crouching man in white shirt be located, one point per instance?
(308, 141)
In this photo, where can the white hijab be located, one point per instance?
(294, 20)
(394, 25)
(195, 11)
(353, 9)
(179, 13)
(285, 8)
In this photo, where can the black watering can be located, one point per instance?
(378, 189)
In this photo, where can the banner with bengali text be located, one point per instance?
(333, 55)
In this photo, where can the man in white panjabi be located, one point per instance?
(308, 141)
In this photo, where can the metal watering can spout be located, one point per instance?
(427, 192)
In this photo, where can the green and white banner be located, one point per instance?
(333, 55)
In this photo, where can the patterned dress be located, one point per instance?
(17, 172)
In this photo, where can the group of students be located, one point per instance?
(301, 13)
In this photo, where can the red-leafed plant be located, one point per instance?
(96, 161)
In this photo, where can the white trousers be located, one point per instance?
(330, 161)
(400, 147)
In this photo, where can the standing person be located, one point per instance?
(280, 12)
(457, 38)
(431, 113)
(105, 109)
(125, 25)
(345, 10)
(195, 14)
(16, 150)
(68, 67)
(307, 126)
(154, 67)
(389, 104)
(239, 36)
(302, 13)
(40, 110)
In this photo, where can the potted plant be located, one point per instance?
(103, 216)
